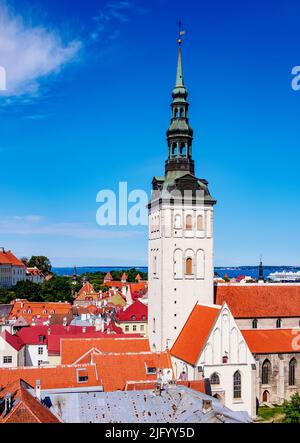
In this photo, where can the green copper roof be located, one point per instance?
(179, 73)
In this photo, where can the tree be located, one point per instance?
(25, 260)
(29, 290)
(57, 289)
(6, 296)
(41, 262)
(291, 409)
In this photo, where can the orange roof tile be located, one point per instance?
(7, 257)
(269, 341)
(25, 407)
(194, 333)
(28, 309)
(252, 300)
(72, 349)
(116, 370)
(51, 377)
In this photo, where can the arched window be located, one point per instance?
(266, 370)
(154, 264)
(174, 149)
(237, 385)
(214, 379)
(278, 323)
(189, 266)
(200, 223)
(181, 112)
(292, 372)
(182, 149)
(254, 323)
(266, 396)
(189, 222)
(177, 221)
(176, 112)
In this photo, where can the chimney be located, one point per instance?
(8, 404)
(49, 331)
(38, 389)
(2, 249)
(206, 406)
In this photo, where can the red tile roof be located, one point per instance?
(116, 370)
(87, 292)
(74, 348)
(254, 300)
(28, 309)
(13, 340)
(51, 377)
(137, 311)
(7, 257)
(108, 277)
(124, 276)
(26, 408)
(192, 338)
(269, 341)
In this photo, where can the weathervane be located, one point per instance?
(180, 32)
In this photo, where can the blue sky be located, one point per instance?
(87, 106)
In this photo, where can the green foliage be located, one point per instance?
(270, 414)
(6, 296)
(41, 262)
(29, 290)
(291, 409)
(61, 288)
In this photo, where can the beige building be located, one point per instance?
(134, 319)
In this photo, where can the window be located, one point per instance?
(134, 327)
(266, 370)
(41, 338)
(189, 266)
(40, 362)
(82, 375)
(151, 370)
(237, 385)
(181, 112)
(200, 223)
(143, 317)
(278, 323)
(215, 379)
(153, 325)
(254, 323)
(133, 317)
(188, 222)
(7, 359)
(126, 328)
(40, 350)
(141, 327)
(292, 372)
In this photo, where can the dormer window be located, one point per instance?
(82, 375)
(133, 317)
(45, 311)
(278, 323)
(150, 370)
(143, 317)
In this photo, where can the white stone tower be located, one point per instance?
(180, 248)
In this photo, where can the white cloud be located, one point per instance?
(38, 225)
(30, 53)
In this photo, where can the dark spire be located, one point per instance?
(180, 133)
(261, 271)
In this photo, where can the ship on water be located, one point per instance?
(284, 277)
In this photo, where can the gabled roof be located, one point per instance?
(260, 300)
(51, 377)
(7, 257)
(108, 277)
(74, 348)
(124, 276)
(87, 290)
(194, 334)
(137, 311)
(116, 370)
(272, 341)
(26, 408)
(13, 340)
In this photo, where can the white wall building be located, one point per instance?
(12, 270)
(211, 345)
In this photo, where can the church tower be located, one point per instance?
(180, 247)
